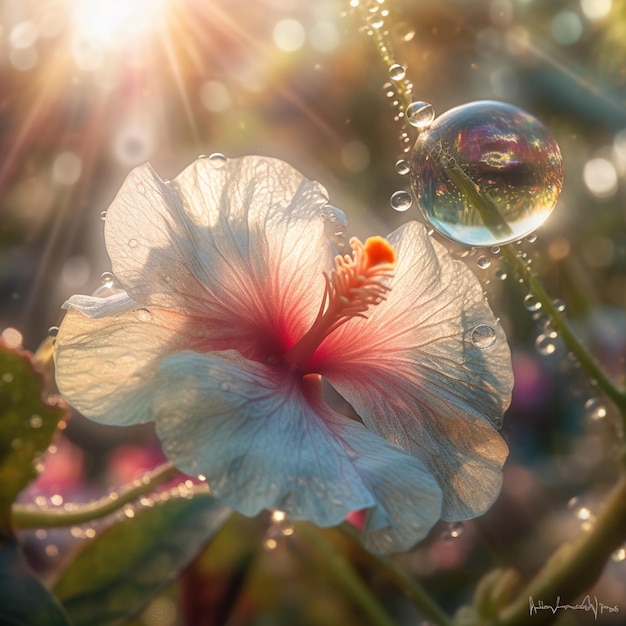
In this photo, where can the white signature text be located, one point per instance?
(589, 604)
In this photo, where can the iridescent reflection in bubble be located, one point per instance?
(495, 151)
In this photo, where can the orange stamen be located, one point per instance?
(378, 250)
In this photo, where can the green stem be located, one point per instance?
(345, 576)
(562, 327)
(28, 516)
(414, 591)
(574, 568)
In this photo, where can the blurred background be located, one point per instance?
(91, 88)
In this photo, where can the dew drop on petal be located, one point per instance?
(483, 336)
(103, 215)
(531, 303)
(483, 262)
(106, 278)
(401, 200)
(402, 167)
(217, 160)
(397, 71)
(420, 114)
(132, 243)
(144, 315)
(493, 151)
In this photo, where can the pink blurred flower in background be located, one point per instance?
(235, 305)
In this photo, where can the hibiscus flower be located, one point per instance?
(236, 316)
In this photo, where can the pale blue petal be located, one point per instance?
(246, 427)
(262, 443)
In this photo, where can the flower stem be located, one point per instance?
(28, 516)
(414, 591)
(562, 327)
(345, 576)
(574, 567)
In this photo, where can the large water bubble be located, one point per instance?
(486, 173)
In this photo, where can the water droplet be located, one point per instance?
(483, 262)
(595, 409)
(487, 150)
(103, 215)
(501, 274)
(52, 550)
(619, 555)
(144, 315)
(483, 336)
(559, 305)
(270, 544)
(401, 200)
(454, 530)
(545, 345)
(584, 514)
(56, 499)
(35, 421)
(53, 331)
(531, 238)
(495, 249)
(335, 225)
(420, 114)
(132, 243)
(397, 71)
(531, 303)
(106, 278)
(218, 160)
(402, 167)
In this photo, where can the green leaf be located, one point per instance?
(117, 573)
(27, 423)
(24, 600)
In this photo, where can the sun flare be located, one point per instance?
(111, 22)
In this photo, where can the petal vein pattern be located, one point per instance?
(269, 443)
(428, 389)
(240, 246)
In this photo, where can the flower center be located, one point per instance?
(357, 282)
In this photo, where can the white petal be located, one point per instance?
(262, 442)
(414, 376)
(105, 367)
(243, 245)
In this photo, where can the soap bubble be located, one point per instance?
(486, 173)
